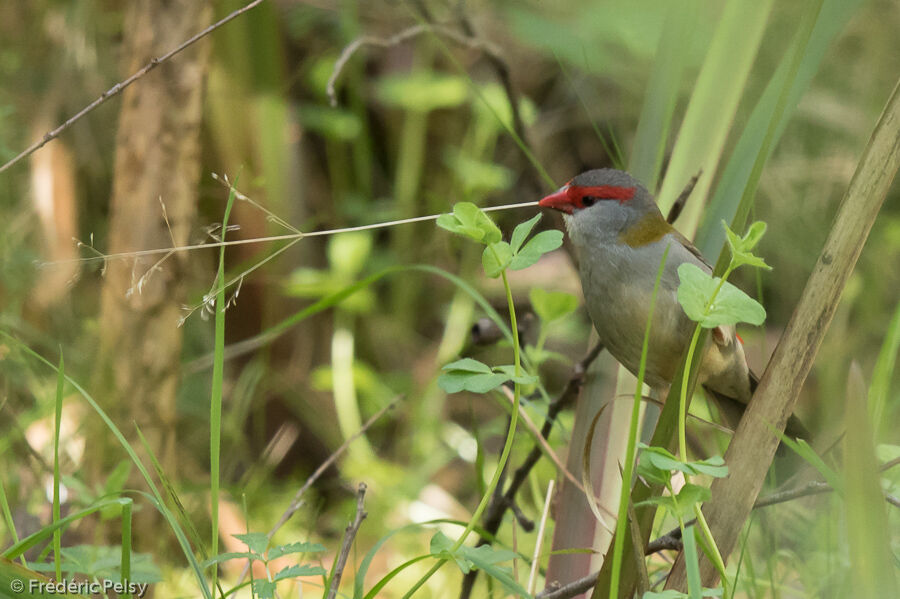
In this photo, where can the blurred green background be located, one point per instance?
(418, 126)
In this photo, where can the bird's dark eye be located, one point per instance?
(588, 201)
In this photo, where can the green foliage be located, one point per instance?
(104, 562)
(484, 557)
(469, 221)
(741, 247)
(257, 544)
(551, 306)
(712, 302)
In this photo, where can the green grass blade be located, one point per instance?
(713, 105)
(57, 532)
(215, 404)
(156, 497)
(661, 94)
(873, 571)
(625, 494)
(884, 371)
(125, 563)
(770, 117)
(7, 515)
(48, 531)
(692, 564)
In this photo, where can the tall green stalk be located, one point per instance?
(624, 495)
(215, 404)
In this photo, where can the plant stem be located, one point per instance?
(682, 405)
(625, 492)
(507, 447)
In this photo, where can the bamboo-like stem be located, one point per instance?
(753, 447)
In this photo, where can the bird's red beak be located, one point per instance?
(559, 200)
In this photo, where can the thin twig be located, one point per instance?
(118, 87)
(286, 237)
(397, 39)
(670, 540)
(532, 576)
(493, 515)
(567, 591)
(347, 543)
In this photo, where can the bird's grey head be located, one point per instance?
(600, 202)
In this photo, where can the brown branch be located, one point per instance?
(670, 540)
(493, 515)
(118, 87)
(567, 591)
(347, 543)
(681, 200)
(753, 447)
(395, 40)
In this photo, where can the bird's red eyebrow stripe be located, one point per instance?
(604, 192)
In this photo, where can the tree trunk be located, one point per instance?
(157, 164)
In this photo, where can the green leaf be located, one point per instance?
(469, 221)
(714, 466)
(457, 380)
(468, 365)
(691, 494)
(552, 305)
(741, 246)
(540, 244)
(496, 257)
(730, 306)
(298, 570)
(650, 472)
(263, 589)
(484, 557)
(521, 232)
(290, 548)
(255, 541)
(523, 379)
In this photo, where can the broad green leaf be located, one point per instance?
(468, 365)
(456, 381)
(540, 244)
(714, 466)
(552, 305)
(689, 495)
(666, 594)
(496, 257)
(730, 306)
(468, 220)
(521, 232)
(256, 541)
